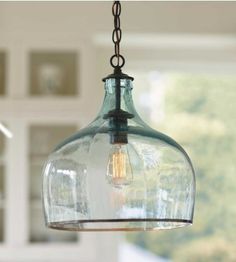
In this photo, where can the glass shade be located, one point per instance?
(91, 184)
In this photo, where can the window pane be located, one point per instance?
(199, 111)
(2, 73)
(53, 73)
(43, 138)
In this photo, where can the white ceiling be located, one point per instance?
(86, 18)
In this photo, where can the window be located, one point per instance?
(43, 138)
(2, 73)
(199, 111)
(53, 73)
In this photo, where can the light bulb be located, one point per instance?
(119, 169)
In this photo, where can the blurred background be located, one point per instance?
(52, 58)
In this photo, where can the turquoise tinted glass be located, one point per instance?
(91, 184)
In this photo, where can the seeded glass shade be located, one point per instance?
(91, 184)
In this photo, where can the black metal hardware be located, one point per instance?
(118, 74)
(118, 118)
(116, 37)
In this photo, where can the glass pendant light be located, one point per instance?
(118, 173)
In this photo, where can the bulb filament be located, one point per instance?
(119, 171)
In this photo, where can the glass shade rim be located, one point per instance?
(63, 225)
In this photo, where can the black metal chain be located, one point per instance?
(117, 60)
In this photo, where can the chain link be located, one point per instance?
(116, 37)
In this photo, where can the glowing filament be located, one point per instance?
(119, 171)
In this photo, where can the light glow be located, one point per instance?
(119, 171)
(5, 131)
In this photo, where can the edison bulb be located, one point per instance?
(119, 169)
